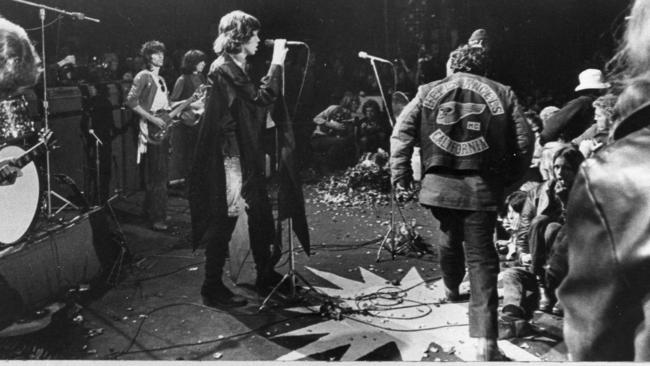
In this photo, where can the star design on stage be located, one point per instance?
(375, 312)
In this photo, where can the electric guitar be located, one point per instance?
(157, 134)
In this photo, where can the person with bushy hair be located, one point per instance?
(20, 68)
(474, 142)
(227, 176)
(149, 95)
(606, 294)
(598, 135)
(373, 128)
(20, 65)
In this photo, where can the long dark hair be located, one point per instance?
(191, 58)
(149, 48)
(20, 65)
(235, 29)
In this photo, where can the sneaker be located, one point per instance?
(222, 298)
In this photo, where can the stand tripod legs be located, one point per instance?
(390, 239)
(290, 275)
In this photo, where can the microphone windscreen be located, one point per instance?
(268, 42)
(363, 54)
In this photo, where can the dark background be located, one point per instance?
(539, 45)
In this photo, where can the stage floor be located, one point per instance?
(155, 312)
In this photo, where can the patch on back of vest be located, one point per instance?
(458, 148)
(438, 92)
(450, 113)
(474, 126)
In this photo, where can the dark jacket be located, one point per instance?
(606, 294)
(540, 201)
(570, 121)
(235, 116)
(465, 123)
(234, 119)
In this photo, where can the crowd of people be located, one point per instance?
(565, 186)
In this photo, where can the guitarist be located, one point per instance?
(184, 135)
(20, 68)
(148, 95)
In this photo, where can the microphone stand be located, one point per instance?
(46, 104)
(98, 142)
(389, 239)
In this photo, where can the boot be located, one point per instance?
(487, 350)
(220, 296)
(546, 299)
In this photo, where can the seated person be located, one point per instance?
(597, 135)
(333, 137)
(541, 221)
(514, 204)
(373, 132)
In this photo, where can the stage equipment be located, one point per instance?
(271, 42)
(15, 121)
(48, 177)
(292, 275)
(390, 241)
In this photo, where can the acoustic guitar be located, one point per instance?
(19, 199)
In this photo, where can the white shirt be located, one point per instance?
(160, 100)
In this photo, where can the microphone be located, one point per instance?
(365, 55)
(270, 43)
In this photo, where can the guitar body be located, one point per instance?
(156, 135)
(18, 201)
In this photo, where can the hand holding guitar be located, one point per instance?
(10, 169)
(8, 172)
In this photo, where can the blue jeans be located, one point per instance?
(469, 240)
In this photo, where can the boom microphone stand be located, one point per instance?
(46, 104)
(389, 239)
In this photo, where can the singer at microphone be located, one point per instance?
(363, 54)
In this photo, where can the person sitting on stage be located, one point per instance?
(333, 138)
(148, 95)
(20, 68)
(597, 136)
(228, 169)
(542, 219)
(373, 131)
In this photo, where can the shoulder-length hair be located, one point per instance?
(20, 65)
(571, 155)
(235, 29)
(191, 58)
(149, 48)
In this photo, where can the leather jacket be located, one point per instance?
(540, 201)
(464, 122)
(606, 294)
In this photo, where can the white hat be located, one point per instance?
(591, 79)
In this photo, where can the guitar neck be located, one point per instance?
(27, 157)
